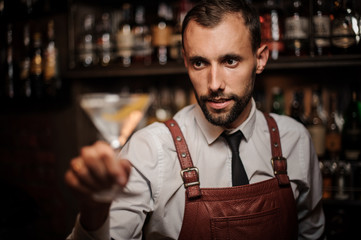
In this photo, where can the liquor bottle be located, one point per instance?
(321, 28)
(181, 9)
(333, 132)
(278, 102)
(328, 169)
(24, 76)
(343, 180)
(125, 37)
(356, 183)
(180, 99)
(297, 29)
(142, 38)
(358, 13)
(272, 28)
(165, 109)
(10, 70)
(344, 28)
(316, 126)
(37, 67)
(351, 131)
(297, 108)
(26, 7)
(2, 7)
(161, 34)
(104, 41)
(86, 48)
(162, 107)
(52, 81)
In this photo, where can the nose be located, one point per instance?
(215, 79)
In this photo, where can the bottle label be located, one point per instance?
(296, 28)
(352, 146)
(125, 42)
(333, 142)
(318, 133)
(161, 35)
(327, 186)
(24, 70)
(322, 30)
(341, 195)
(36, 65)
(271, 34)
(343, 36)
(104, 43)
(87, 43)
(322, 26)
(176, 46)
(87, 51)
(50, 62)
(142, 45)
(270, 27)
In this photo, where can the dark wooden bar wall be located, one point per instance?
(38, 138)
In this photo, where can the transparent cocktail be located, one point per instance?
(115, 116)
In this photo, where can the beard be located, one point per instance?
(222, 117)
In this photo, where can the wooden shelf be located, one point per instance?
(173, 68)
(315, 62)
(114, 70)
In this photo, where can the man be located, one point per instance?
(222, 53)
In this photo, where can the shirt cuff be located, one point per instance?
(79, 233)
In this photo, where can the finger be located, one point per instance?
(94, 162)
(72, 181)
(107, 155)
(81, 172)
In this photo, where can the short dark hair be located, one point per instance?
(209, 13)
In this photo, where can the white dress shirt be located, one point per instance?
(153, 202)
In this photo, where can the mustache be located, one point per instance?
(217, 97)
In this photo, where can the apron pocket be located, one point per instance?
(257, 226)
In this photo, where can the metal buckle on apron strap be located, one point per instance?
(279, 165)
(189, 170)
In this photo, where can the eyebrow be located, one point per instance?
(220, 59)
(229, 56)
(197, 58)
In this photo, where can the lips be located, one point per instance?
(218, 104)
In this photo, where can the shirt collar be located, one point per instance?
(212, 132)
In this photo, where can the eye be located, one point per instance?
(198, 64)
(231, 62)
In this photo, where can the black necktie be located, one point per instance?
(239, 175)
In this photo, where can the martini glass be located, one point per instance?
(116, 116)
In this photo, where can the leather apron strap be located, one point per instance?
(189, 173)
(279, 163)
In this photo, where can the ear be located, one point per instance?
(262, 58)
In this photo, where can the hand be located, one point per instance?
(95, 169)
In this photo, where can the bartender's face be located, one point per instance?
(222, 68)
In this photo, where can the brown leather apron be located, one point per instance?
(263, 210)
